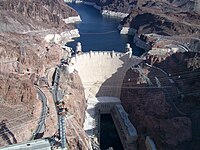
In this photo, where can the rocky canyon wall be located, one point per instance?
(168, 17)
(75, 101)
(168, 114)
(25, 59)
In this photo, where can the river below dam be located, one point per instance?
(98, 32)
(109, 136)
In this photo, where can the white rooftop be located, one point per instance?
(41, 144)
(104, 99)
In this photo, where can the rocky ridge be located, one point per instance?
(24, 24)
(168, 17)
(32, 15)
(26, 58)
(163, 17)
(166, 115)
(74, 98)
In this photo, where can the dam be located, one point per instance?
(102, 74)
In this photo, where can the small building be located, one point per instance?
(41, 144)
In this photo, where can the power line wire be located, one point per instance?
(18, 128)
(25, 115)
(27, 122)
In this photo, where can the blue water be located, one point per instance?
(98, 32)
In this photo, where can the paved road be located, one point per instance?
(41, 123)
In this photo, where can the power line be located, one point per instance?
(126, 87)
(52, 105)
(138, 87)
(122, 102)
(182, 78)
(25, 115)
(70, 123)
(23, 124)
(130, 82)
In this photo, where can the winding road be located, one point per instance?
(41, 122)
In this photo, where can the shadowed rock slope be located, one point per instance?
(169, 115)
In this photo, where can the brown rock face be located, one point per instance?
(153, 23)
(74, 95)
(23, 26)
(24, 58)
(164, 114)
(75, 102)
(17, 101)
(166, 17)
(28, 56)
(33, 14)
(176, 130)
(17, 90)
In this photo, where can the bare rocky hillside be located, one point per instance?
(74, 98)
(169, 115)
(25, 58)
(22, 15)
(166, 17)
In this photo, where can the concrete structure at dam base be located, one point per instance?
(96, 107)
(110, 105)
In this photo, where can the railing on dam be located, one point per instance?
(112, 54)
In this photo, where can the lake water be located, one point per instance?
(98, 32)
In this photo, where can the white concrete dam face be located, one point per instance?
(102, 73)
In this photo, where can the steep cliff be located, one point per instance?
(166, 17)
(17, 90)
(17, 100)
(75, 102)
(22, 15)
(127, 5)
(169, 23)
(169, 115)
(24, 24)
(25, 58)
(115, 5)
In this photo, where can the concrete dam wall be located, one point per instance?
(102, 72)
